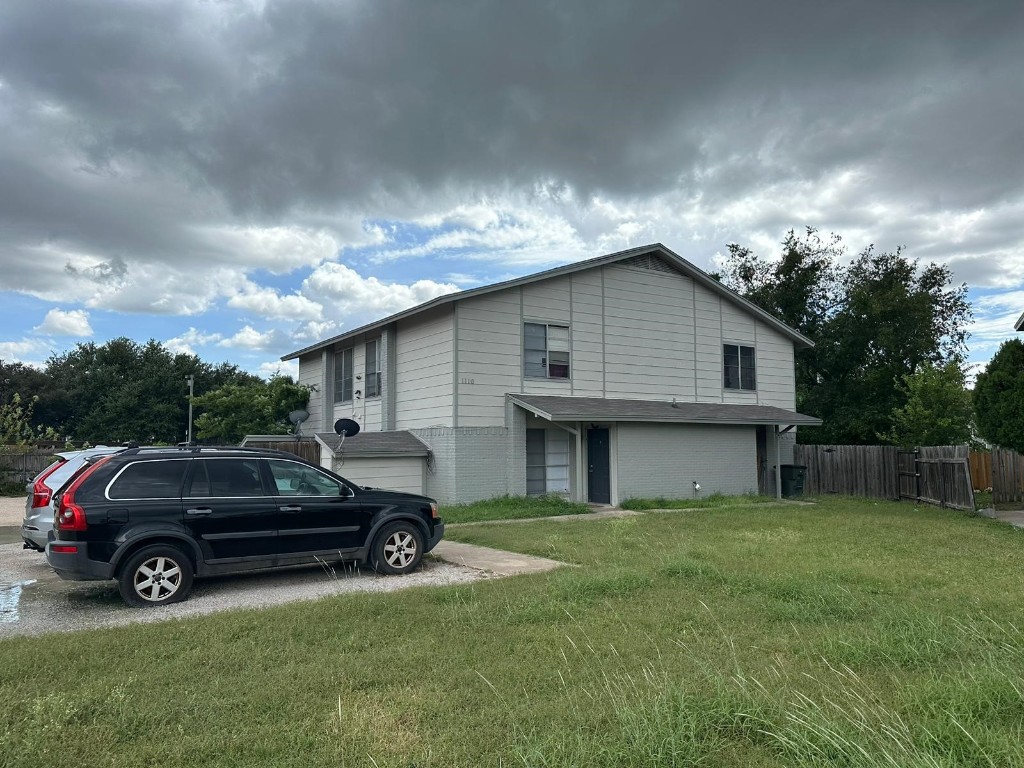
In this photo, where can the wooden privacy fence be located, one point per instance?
(934, 474)
(849, 470)
(1007, 476)
(305, 447)
(19, 465)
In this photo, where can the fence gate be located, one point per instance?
(909, 479)
(936, 478)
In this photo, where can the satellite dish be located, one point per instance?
(297, 417)
(346, 427)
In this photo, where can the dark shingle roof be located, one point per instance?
(375, 444)
(603, 409)
(675, 260)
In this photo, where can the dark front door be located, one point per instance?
(599, 488)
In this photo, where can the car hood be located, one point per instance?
(383, 494)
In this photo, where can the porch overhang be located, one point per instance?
(605, 410)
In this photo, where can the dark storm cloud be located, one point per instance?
(322, 103)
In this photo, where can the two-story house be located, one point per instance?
(632, 374)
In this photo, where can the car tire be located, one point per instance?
(156, 575)
(397, 548)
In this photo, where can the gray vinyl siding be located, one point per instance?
(634, 333)
(424, 393)
(708, 343)
(664, 460)
(587, 334)
(776, 382)
(310, 375)
(648, 332)
(490, 356)
(395, 473)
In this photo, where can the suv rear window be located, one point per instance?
(149, 480)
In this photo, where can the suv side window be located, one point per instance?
(225, 478)
(294, 479)
(159, 479)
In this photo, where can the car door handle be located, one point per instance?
(199, 511)
(292, 509)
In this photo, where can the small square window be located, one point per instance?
(545, 351)
(739, 369)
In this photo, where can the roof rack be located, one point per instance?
(199, 449)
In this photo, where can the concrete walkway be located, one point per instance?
(495, 561)
(1014, 517)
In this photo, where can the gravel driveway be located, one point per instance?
(35, 601)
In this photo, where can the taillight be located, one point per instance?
(69, 515)
(433, 510)
(41, 492)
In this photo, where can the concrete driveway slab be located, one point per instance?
(495, 561)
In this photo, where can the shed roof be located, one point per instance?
(556, 408)
(681, 264)
(374, 444)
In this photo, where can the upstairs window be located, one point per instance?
(739, 367)
(372, 371)
(343, 376)
(545, 351)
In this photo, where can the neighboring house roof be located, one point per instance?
(1019, 325)
(678, 262)
(555, 408)
(367, 445)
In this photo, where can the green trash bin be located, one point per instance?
(793, 479)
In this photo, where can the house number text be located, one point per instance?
(464, 380)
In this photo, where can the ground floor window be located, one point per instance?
(547, 462)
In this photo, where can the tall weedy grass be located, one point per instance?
(835, 717)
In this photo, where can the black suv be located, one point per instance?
(153, 518)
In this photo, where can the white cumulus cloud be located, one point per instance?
(344, 291)
(58, 322)
(269, 303)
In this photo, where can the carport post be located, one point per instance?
(778, 466)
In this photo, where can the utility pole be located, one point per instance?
(191, 383)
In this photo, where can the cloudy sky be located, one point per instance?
(242, 178)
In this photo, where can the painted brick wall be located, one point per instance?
(469, 463)
(665, 459)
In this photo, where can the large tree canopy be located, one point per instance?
(938, 410)
(122, 391)
(874, 321)
(233, 411)
(999, 397)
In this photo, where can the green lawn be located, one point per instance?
(512, 508)
(849, 633)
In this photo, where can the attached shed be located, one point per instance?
(394, 460)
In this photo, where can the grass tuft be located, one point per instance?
(512, 508)
(714, 501)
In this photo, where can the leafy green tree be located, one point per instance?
(261, 408)
(938, 410)
(874, 321)
(16, 420)
(999, 397)
(123, 390)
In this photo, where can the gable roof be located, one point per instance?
(681, 264)
(1019, 325)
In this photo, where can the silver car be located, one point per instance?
(38, 522)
